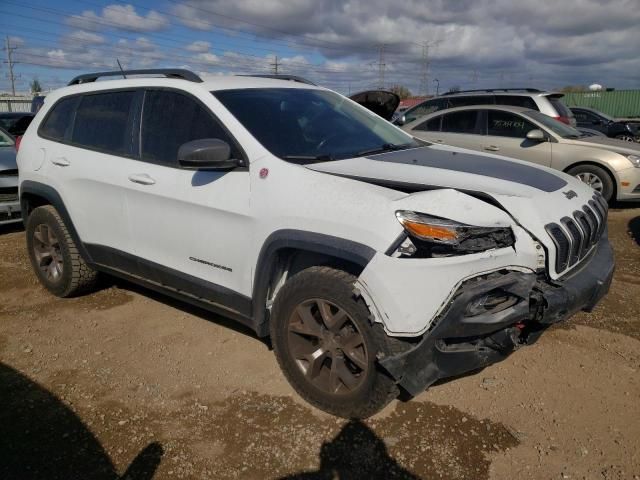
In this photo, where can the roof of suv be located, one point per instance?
(210, 83)
(522, 92)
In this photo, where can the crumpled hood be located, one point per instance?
(534, 196)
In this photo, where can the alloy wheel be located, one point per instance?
(626, 138)
(327, 346)
(592, 180)
(47, 252)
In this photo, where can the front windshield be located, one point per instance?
(559, 128)
(305, 125)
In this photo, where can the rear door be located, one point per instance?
(460, 129)
(90, 148)
(506, 134)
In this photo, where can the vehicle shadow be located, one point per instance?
(624, 205)
(11, 228)
(41, 438)
(108, 281)
(634, 229)
(355, 453)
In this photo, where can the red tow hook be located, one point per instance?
(520, 325)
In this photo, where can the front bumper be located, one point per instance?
(461, 340)
(10, 212)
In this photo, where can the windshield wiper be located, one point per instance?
(387, 147)
(307, 158)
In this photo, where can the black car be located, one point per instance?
(595, 120)
(15, 123)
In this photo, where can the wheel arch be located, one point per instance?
(287, 252)
(603, 166)
(36, 194)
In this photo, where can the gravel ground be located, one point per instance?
(124, 383)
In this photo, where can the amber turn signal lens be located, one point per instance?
(437, 232)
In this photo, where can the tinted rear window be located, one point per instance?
(463, 101)
(517, 101)
(57, 125)
(102, 122)
(560, 107)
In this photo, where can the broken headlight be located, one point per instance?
(431, 236)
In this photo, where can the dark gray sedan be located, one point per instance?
(9, 204)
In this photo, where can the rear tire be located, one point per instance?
(626, 138)
(54, 255)
(326, 345)
(596, 177)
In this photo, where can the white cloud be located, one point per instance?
(199, 46)
(207, 58)
(121, 17)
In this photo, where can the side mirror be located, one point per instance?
(536, 135)
(401, 120)
(206, 153)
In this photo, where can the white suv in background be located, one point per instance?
(549, 103)
(375, 263)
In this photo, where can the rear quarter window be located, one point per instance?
(517, 101)
(58, 122)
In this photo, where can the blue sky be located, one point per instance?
(471, 44)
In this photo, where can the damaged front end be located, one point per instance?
(490, 316)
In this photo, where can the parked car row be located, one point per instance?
(608, 166)
(548, 103)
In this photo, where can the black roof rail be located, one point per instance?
(167, 72)
(292, 78)
(490, 90)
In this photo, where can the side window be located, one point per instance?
(432, 125)
(464, 101)
(581, 116)
(460, 122)
(57, 124)
(425, 108)
(505, 124)
(170, 119)
(102, 122)
(516, 101)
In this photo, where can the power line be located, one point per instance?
(9, 49)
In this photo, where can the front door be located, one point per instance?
(191, 228)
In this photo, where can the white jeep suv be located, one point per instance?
(375, 262)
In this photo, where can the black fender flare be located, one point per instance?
(53, 198)
(300, 240)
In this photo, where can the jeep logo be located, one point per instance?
(570, 194)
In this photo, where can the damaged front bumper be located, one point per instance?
(490, 316)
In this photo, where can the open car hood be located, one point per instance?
(381, 102)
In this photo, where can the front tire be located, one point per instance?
(326, 345)
(596, 177)
(54, 255)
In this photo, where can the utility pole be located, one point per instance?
(10, 62)
(437, 82)
(424, 83)
(275, 66)
(381, 65)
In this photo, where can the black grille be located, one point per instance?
(8, 194)
(575, 237)
(9, 173)
(562, 245)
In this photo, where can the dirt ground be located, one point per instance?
(124, 383)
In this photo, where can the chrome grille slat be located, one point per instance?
(576, 235)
